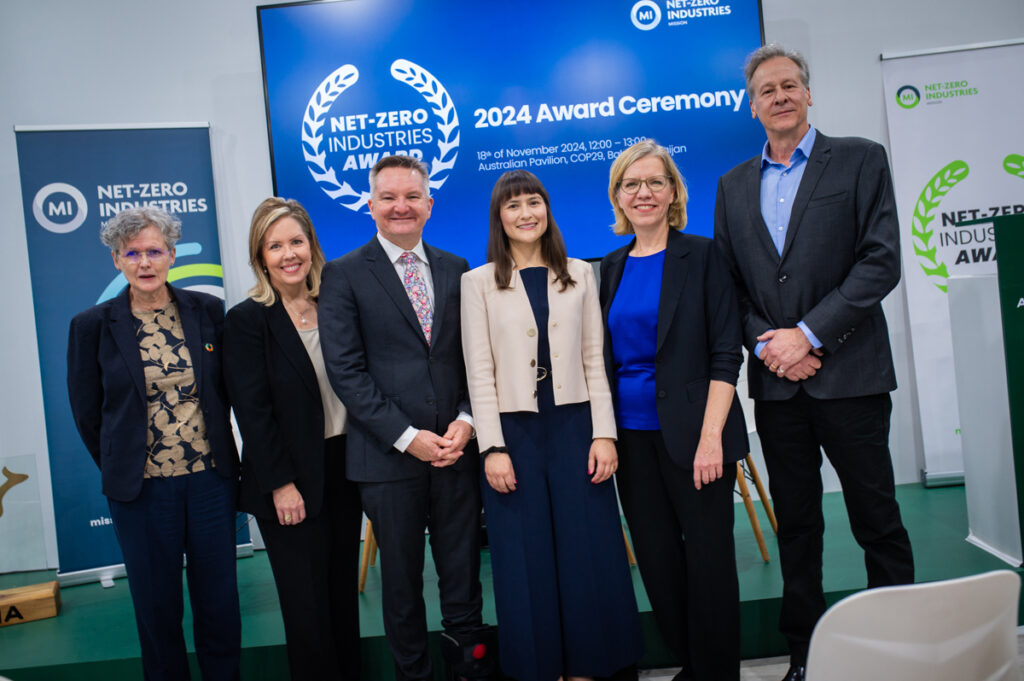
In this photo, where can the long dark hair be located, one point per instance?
(552, 246)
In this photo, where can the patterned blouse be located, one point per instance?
(176, 443)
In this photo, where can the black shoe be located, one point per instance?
(795, 673)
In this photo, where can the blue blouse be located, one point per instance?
(633, 324)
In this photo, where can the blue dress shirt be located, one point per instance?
(779, 184)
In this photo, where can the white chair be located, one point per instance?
(957, 630)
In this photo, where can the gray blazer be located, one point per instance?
(380, 364)
(840, 258)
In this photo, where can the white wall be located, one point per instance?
(140, 61)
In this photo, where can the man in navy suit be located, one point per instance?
(809, 229)
(389, 316)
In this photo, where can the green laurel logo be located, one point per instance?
(1014, 164)
(924, 212)
(908, 97)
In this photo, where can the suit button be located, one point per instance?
(533, 362)
(531, 332)
(661, 393)
(783, 277)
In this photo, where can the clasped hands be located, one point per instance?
(788, 354)
(441, 450)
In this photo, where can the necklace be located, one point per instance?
(301, 315)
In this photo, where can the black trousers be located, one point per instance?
(316, 569)
(854, 432)
(446, 501)
(685, 550)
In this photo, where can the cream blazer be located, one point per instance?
(499, 341)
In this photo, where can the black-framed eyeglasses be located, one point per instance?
(153, 254)
(631, 185)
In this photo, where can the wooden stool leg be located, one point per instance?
(364, 561)
(761, 493)
(629, 548)
(751, 513)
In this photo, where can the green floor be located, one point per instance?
(94, 636)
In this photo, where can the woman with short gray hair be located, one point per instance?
(147, 396)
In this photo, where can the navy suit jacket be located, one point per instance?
(698, 341)
(379, 361)
(106, 385)
(277, 402)
(840, 258)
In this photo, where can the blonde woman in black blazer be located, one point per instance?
(293, 454)
(672, 317)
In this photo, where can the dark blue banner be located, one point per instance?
(72, 182)
(475, 89)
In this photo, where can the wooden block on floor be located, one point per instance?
(27, 603)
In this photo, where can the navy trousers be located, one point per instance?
(193, 515)
(562, 589)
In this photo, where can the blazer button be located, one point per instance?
(531, 332)
(783, 278)
(661, 393)
(533, 362)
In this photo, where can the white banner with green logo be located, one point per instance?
(957, 145)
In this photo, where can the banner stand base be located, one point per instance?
(107, 574)
(930, 480)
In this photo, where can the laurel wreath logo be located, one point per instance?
(930, 198)
(1014, 164)
(343, 78)
(312, 124)
(434, 93)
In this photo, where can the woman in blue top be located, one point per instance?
(532, 337)
(673, 353)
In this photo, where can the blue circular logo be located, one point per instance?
(645, 15)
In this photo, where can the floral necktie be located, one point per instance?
(417, 290)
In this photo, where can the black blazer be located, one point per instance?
(106, 386)
(277, 402)
(840, 258)
(699, 340)
(380, 364)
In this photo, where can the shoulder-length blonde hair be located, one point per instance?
(267, 213)
(676, 212)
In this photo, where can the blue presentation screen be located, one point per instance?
(477, 88)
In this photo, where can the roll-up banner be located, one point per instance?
(958, 162)
(73, 180)
(475, 89)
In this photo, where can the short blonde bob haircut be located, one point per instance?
(267, 213)
(676, 212)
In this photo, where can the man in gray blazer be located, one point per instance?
(810, 232)
(389, 329)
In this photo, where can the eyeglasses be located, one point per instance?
(655, 183)
(153, 254)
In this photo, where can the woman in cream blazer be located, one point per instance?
(533, 339)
